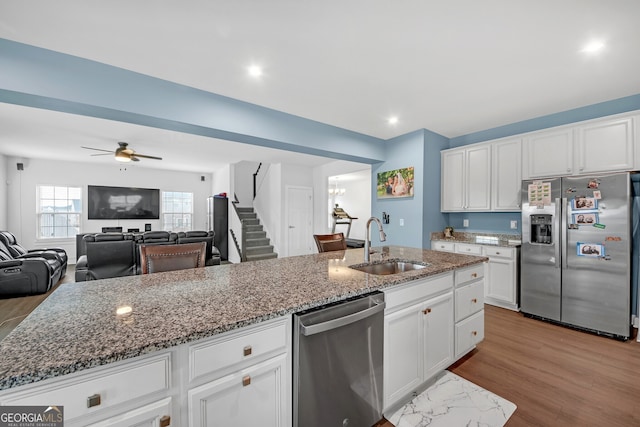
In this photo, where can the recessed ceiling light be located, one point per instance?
(594, 46)
(393, 120)
(255, 71)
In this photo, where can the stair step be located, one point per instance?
(263, 241)
(252, 235)
(254, 221)
(258, 250)
(262, 256)
(253, 228)
(245, 209)
(247, 215)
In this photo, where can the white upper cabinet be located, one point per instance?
(548, 153)
(506, 175)
(605, 146)
(453, 187)
(486, 177)
(601, 145)
(466, 178)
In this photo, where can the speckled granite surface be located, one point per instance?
(77, 327)
(494, 239)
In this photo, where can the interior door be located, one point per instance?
(299, 221)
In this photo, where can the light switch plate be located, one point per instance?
(514, 225)
(401, 222)
(465, 222)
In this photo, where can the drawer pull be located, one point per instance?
(93, 401)
(497, 253)
(474, 333)
(165, 421)
(426, 311)
(246, 380)
(474, 300)
(247, 351)
(474, 275)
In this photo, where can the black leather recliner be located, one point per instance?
(108, 255)
(212, 256)
(28, 274)
(16, 250)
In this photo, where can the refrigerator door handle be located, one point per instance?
(564, 225)
(557, 225)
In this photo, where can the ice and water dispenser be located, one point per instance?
(541, 228)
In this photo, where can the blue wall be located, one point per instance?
(432, 219)
(401, 152)
(497, 222)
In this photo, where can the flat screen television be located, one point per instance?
(123, 203)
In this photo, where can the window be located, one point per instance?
(177, 211)
(59, 211)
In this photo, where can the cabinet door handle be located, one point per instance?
(93, 400)
(247, 351)
(474, 300)
(165, 421)
(497, 253)
(426, 311)
(474, 333)
(474, 275)
(246, 380)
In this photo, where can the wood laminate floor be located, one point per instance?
(555, 375)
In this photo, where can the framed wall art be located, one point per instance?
(396, 183)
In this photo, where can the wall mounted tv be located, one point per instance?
(123, 203)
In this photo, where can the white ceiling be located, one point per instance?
(453, 67)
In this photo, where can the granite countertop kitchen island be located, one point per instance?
(79, 326)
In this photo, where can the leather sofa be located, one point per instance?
(118, 254)
(212, 256)
(107, 255)
(16, 250)
(28, 274)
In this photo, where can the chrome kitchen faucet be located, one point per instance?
(367, 244)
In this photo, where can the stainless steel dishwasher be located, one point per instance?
(337, 364)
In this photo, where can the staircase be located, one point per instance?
(257, 245)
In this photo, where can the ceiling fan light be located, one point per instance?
(122, 157)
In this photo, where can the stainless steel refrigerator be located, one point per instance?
(576, 252)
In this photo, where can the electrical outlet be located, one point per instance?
(465, 222)
(514, 225)
(401, 222)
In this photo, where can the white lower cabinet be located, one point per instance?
(501, 276)
(250, 397)
(117, 391)
(501, 281)
(157, 414)
(469, 312)
(437, 321)
(237, 378)
(403, 343)
(418, 335)
(242, 377)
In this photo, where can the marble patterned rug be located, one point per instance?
(453, 401)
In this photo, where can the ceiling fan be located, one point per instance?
(123, 153)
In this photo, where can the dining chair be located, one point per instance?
(156, 258)
(330, 242)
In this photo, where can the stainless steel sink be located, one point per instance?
(389, 267)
